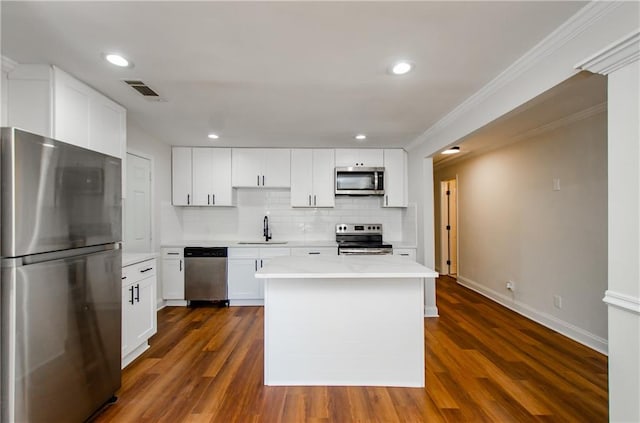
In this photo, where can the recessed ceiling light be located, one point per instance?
(118, 60)
(402, 67)
(213, 136)
(361, 137)
(452, 150)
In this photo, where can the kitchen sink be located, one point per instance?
(262, 242)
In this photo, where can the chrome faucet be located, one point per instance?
(265, 229)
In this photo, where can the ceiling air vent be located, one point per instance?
(143, 89)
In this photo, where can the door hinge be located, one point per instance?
(449, 262)
(448, 227)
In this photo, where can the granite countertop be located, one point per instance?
(331, 267)
(132, 258)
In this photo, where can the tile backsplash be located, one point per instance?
(244, 222)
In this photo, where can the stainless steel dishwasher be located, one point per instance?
(205, 274)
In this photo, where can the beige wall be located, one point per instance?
(514, 226)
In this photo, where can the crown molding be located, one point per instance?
(615, 56)
(566, 32)
(8, 64)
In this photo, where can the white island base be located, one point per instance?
(344, 320)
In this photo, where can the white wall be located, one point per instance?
(514, 226)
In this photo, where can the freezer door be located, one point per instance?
(60, 337)
(56, 196)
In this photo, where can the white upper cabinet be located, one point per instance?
(201, 176)
(45, 100)
(359, 157)
(395, 178)
(261, 167)
(312, 178)
(181, 176)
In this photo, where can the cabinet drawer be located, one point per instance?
(320, 251)
(243, 253)
(175, 253)
(274, 252)
(405, 252)
(137, 272)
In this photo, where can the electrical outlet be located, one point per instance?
(557, 301)
(511, 286)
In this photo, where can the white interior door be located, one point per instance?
(137, 218)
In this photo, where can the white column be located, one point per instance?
(620, 62)
(430, 307)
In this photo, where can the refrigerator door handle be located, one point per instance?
(131, 291)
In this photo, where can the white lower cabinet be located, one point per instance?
(243, 287)
(405, 252)
(318, 251)
(173, 274)
(139, 316)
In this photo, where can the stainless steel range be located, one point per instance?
(361, 239)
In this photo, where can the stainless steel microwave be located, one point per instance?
(360, 180)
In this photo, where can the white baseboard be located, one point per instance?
(431, 311)
(567, 329)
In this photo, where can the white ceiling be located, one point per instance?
(282, 73)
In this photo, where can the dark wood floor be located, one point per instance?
(483, 363)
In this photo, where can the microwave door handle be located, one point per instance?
(375, 180)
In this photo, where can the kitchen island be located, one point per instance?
(344, 320)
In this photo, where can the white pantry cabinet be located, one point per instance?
(201, 176)
(243, 287)
(359, 157)
(395, 178)
(46, 100)
(173, 273)
(261, 167)
(139, 316)
(312, 178)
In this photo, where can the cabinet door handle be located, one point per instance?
(213, 197)
(260, 264)
(138, 292)
(124, 277)
(309, 199)
(208, 199)
(314, 252)
(131, 291)
(188, 199)
(314, 200)
(262, 180)
(173, 254)
(181, 265)
(258, 182)
(404, 254)
(386, 200)
(256, 263)
(146, 270)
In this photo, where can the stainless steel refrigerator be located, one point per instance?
(60, 308)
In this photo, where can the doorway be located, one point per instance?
(137, 219)
(449, 226)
